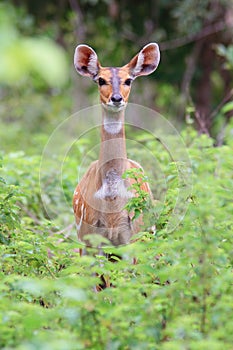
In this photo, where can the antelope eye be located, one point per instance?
(128, 82)
(102, 82)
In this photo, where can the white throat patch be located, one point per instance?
(112, 125)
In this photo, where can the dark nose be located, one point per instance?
(116, 98)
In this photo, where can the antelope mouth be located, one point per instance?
(115, 106)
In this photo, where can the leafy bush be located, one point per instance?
(178, 295)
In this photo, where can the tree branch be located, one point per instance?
(208, 30)
(80, 27)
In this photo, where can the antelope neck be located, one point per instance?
(113, 149)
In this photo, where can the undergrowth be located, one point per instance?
(177, 296)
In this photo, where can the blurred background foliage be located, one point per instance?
(39, 86)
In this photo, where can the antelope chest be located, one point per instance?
(113, 187)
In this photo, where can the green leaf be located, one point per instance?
(227, 107)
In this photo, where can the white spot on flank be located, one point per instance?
(139, 64)
(81, 219)
(76, 202)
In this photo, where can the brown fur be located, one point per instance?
(110, 220)
(106, 90)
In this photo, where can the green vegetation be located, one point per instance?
(179, 294)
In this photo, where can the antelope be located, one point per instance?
(101, 194)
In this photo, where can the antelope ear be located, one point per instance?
(86, 61)
(146, 61)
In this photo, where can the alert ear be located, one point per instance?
(146, 61)
(86, 61)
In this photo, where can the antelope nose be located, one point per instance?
(116, 98)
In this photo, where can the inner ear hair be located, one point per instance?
(146, 61)
(86, 61)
